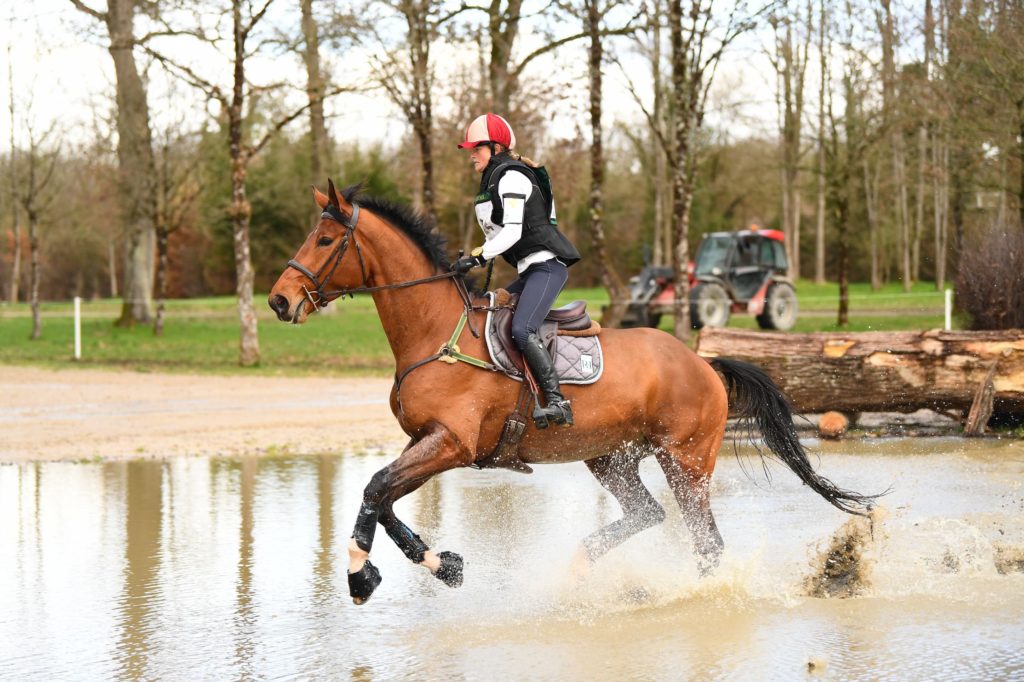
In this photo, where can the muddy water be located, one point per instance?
(233, 569)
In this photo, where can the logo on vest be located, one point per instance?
(587, 364)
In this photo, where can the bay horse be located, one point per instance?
(656, 396)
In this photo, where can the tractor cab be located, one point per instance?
(732, 272)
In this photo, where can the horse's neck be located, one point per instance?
(417, 320)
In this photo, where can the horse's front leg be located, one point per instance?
(436, 452)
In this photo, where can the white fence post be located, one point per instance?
(78, 327)
(949, 309)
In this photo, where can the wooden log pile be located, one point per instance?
(883, 371)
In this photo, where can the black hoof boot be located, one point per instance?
(450, 572)
(362, 583)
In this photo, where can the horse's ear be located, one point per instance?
(320, 198)
(332, 194)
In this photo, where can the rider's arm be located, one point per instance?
(514, 189)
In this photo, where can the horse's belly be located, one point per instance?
(574, 444)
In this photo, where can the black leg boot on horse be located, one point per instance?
(557, 409)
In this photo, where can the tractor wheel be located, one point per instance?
(780, 308)
(709, 305)
(635, 316)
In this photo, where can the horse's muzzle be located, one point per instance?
(279, 304)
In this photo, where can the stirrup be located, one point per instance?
(559, 413)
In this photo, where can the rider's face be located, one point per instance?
(479, 157)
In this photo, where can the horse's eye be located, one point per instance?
(324, 241)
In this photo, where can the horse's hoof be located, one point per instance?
(363, 582)
(450, 571)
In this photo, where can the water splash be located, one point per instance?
(843, 569)
(1009, 558)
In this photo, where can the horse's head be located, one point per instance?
(328, 262)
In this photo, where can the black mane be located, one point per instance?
(419, 228)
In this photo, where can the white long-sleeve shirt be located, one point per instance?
(514, 189)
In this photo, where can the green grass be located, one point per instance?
(201, 335)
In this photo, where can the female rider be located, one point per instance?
(517, 215)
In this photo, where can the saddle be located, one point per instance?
(568, 333)
(571, 338)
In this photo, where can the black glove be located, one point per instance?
(467, 263)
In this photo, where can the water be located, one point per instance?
(196, 568)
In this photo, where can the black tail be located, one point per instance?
(755, 398)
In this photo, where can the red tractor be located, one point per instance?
(732, 272)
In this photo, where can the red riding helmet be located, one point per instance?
(489, 128)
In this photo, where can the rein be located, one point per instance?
(319, 279)
(448, 352)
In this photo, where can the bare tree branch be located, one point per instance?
(188, 75)
(255, 19)
(665, 144)
(253, 150)
(82, 7)
(562, 41)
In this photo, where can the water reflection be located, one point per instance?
(235, 569)
(142, 484)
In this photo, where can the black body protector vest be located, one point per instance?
(540, 229)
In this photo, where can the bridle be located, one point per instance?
(449, 352)
(320, 279)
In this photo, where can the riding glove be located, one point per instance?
(467, 263)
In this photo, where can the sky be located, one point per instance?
(62, 72)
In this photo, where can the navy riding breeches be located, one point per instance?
(538, 288)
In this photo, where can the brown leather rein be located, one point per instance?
(319, 279)
(334, 260)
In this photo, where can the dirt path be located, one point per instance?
(84, 414)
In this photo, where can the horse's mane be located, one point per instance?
(419, 228)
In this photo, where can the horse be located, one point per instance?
(656, 397)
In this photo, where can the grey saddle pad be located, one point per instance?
(578, 359)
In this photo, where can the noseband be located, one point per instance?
(320, 280)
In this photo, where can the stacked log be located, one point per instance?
(882, 371)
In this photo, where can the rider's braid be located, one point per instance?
(519, 157)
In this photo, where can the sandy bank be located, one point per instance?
(83, 414)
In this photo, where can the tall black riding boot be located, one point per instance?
(557, 410)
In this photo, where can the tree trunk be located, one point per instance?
(791, 68)
(427, 167)
(161, 277)
(162, 224)
(12, 292)
(886, 26)
(33, 245)
(819, 230)
(1020, 163)
(871, 205)
(320, 152)
(940, 199)
(609, 277)
(503, 28)
(249, 344)
(660, 253)
(136, 166)
(682, 190)
(915, 248)
(420, 36)
(881, 371)
(112, 266)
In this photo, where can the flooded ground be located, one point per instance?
(213, 568)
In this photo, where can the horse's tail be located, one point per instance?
(756, 399)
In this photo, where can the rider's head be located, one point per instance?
(486, 136)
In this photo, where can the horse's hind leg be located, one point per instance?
(620, 475)
(688, 470)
